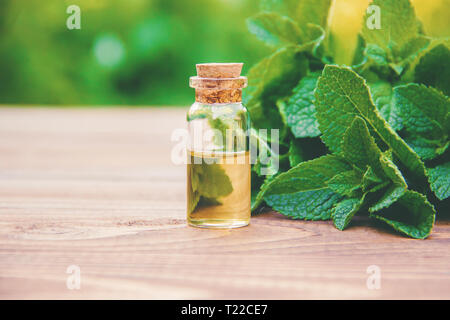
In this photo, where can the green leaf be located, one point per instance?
(377, 54)
(207, 182)
(423, 111)
(284, 7)
(434, 69)
(271, 79)
(205, 201)
(392, 172)
(316, 40)
(309, 175)
(296, 154)
(347, 182)
(407, 55)
(311, 17)
(344, 211)
(303, 12)
(412, 215)
(439, 178)
(395, 190)
(307, 205)
(359, 147)
(300, 109)
(399, 42)
(302, 192)
(313, 11)
(273, 29)
(213, 181)
(390, 196)
(398, 25)
(359, 59)
(341, 95)
(369, 180)
(382, 95)
(427, 149)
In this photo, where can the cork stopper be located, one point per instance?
(219, 70)
(218, 82)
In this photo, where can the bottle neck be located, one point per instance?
(210, 96)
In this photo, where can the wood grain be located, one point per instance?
(96, 188)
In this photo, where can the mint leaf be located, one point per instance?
(207, 183)
(412, 215)
(309, 175)
(284, 7)
(391, 171)
(270, 79)
(439, 178)
(296, 154)
(213, 182)
(307, 205)
(346, 183)
(369, 180)
(434, 69)
(390, 196)
(311, 17)
(377, 54)
(205, 201)
(423, 111)
(382, 95)
(398, 44)
(300, 110)
(398, 24)
(427, 149)
(302, 192)
(303, 12)
(395, 33)
(344, 211)
(313, 11)
(359, 147)
(341, 95)
(274, 29)
(395, 189)
(410, 52)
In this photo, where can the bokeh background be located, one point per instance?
(142, 52)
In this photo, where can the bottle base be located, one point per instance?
(217, 223)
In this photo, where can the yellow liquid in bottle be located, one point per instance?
(218, 189)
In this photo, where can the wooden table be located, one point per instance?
(96, 189)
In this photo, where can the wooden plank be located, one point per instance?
(96, 188)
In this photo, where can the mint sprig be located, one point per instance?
(385, 121)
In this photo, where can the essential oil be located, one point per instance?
(218, 170)
(218, 189)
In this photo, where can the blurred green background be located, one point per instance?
(142, 52)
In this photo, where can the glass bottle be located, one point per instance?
(218, 170)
